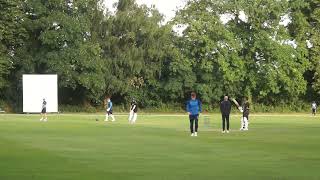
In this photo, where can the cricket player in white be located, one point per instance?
(245, 116)
(133, 112)
(314, 108)
(109, 110)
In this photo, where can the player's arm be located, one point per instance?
(187, 107)
(200, 106)
(235, 102)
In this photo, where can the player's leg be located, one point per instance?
(112, 116)
(196, 125)
(130, 116)
(43, 111)
(223, 123)
(107, 116)
(191, 118)
(45, 116)
(135, 115)
(227, 121)
(246, 124)
(242, 123)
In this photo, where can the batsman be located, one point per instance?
(245, 113)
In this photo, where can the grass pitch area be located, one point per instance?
(158, 147)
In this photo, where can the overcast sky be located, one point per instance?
(166, 7)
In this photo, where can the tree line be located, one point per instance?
(133, 53)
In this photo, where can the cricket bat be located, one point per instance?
(237, 104)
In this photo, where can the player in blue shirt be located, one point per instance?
(109, 110)
(194, 108)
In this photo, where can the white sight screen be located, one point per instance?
(38, 87)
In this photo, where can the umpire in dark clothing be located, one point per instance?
(225, 108)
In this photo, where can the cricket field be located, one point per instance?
(158, 147)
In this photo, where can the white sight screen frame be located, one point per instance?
(38, 87)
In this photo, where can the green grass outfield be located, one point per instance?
(280, 147)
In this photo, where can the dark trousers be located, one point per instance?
(225, 119)
(193, 120)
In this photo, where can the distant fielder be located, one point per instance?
(314, 108)
(109, 107)
(44, 111)
(133, 112)
(194, 108)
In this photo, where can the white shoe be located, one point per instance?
(192, 134)
(223, 132)
(45, 120)
(241, 129)
(195, 134)
(113, 120)
(106, 120)
(246, 129)
(227, 131)
(41, 119)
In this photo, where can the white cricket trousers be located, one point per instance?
(244, 123)
(132, 117)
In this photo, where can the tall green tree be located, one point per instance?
(272, 62)
(212, 52)
(314, 21)
(305, 28)
(135, 46)
(60, 41)
(258, 59)
(12, 36)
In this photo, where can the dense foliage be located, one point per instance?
(134, 53)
